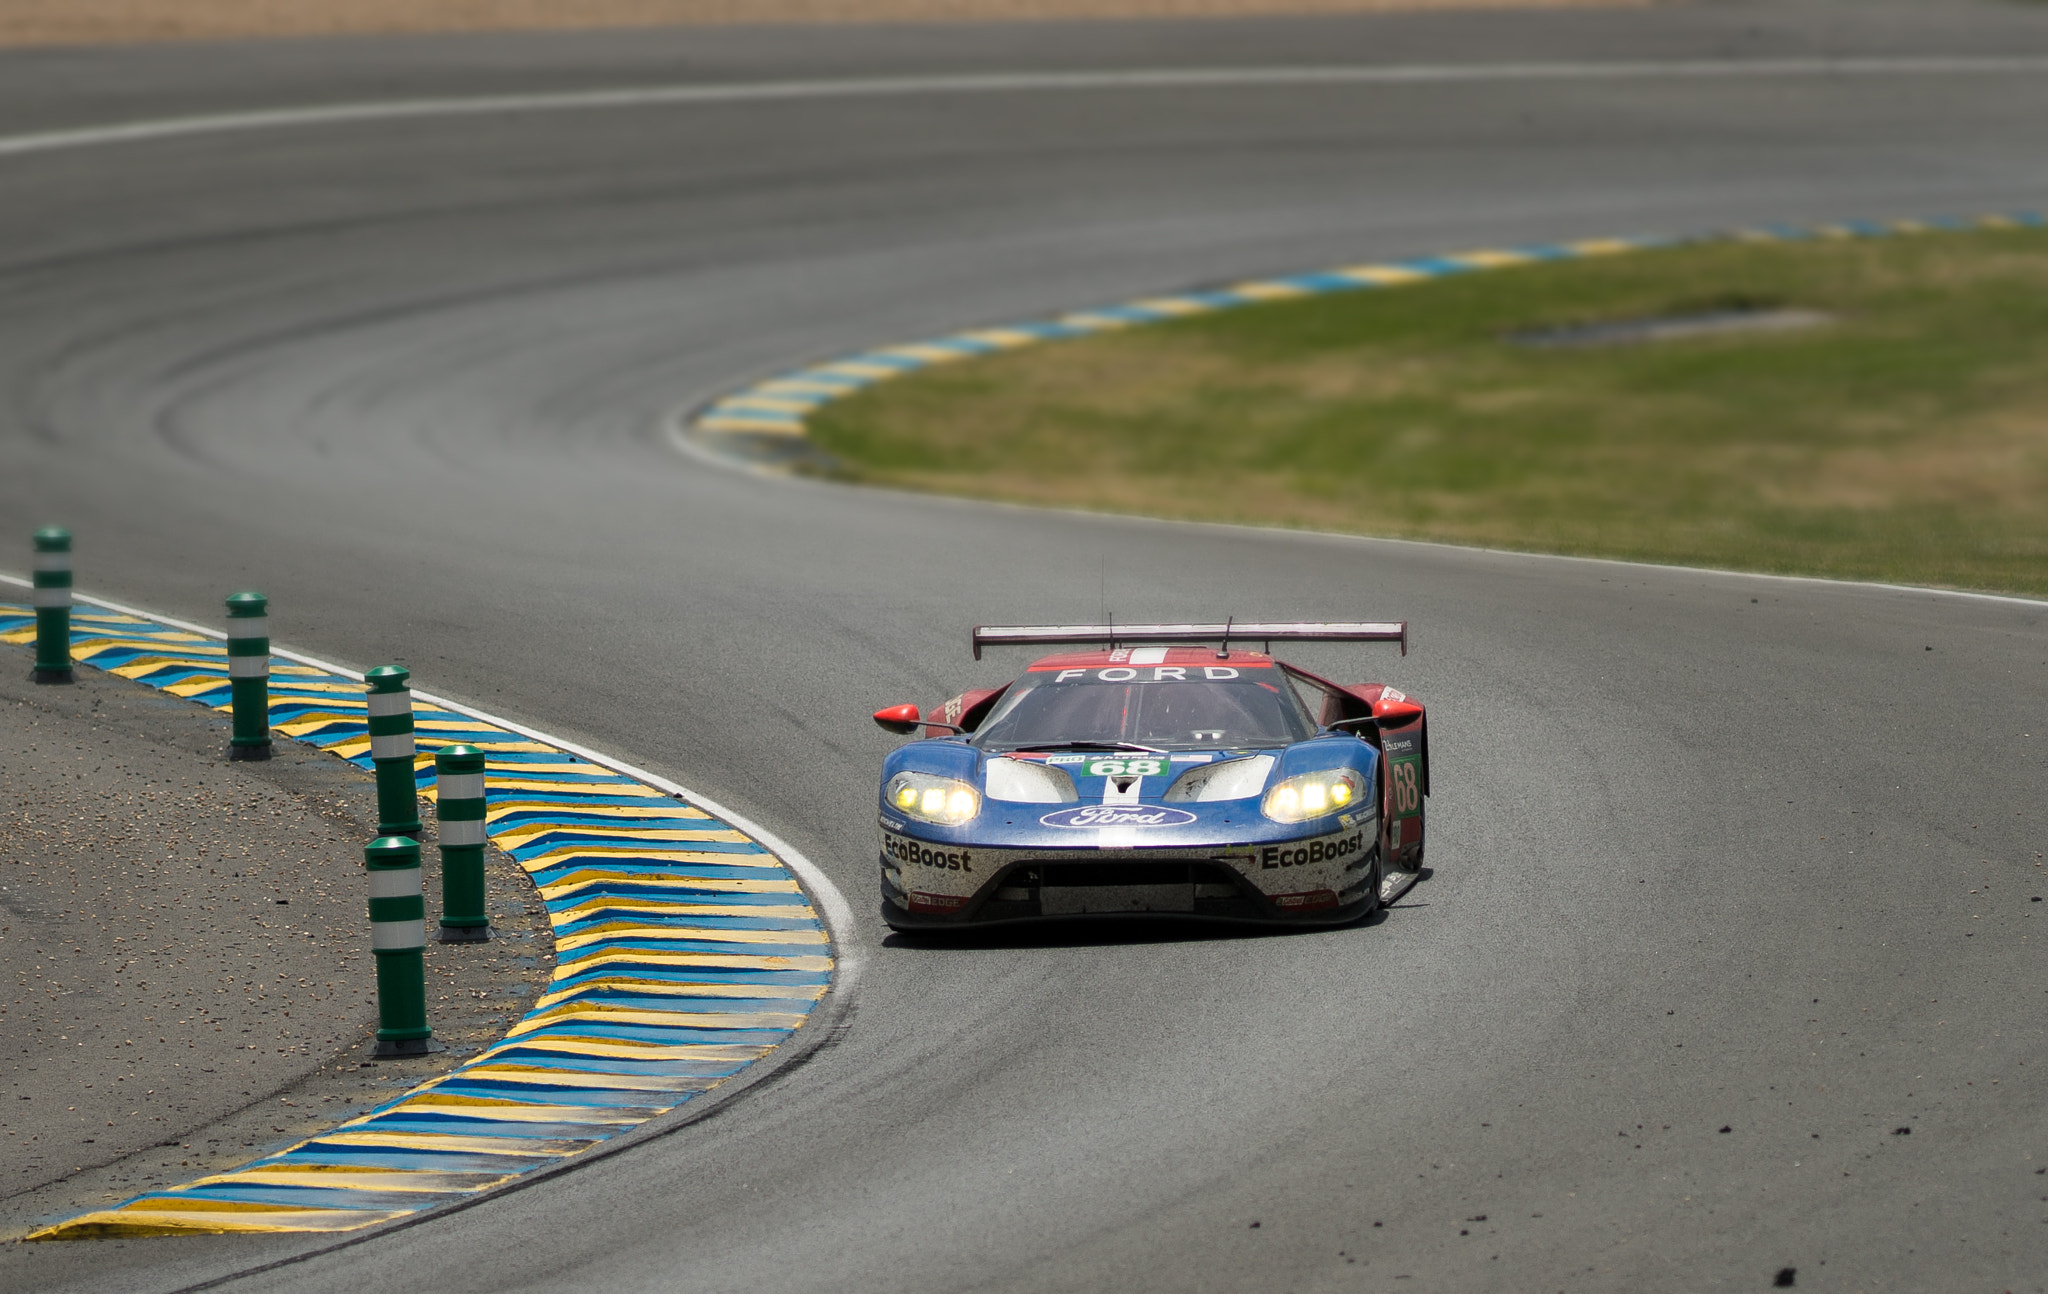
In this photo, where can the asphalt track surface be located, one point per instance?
(1711, 852)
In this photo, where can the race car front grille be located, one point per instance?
(1066, 875)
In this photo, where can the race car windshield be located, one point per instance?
(1050, 712)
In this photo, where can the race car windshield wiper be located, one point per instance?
(1089, 745)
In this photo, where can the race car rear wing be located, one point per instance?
(1385, 631)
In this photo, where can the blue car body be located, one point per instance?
(1130, 833)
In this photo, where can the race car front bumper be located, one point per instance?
(1203, 884)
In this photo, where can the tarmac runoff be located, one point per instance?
(686, 952)
(182, 937)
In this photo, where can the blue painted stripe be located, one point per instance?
(305, 1197)
(627, 1000)
(603, 1030)
(509, 1129)
(600, 920)
(603, 948)
(613, 1065)
(694, 975)
(430, 1161)
(540, 1093)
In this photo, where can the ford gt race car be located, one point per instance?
(1182, 776)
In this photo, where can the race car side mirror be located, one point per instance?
(1396, 714)
(899, 719)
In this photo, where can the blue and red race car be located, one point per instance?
(1155, 776)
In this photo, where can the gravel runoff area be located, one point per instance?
(185, 947)
(64, 22)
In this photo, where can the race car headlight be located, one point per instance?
(1230, 779)
(943, 800)
(1314, 795)
(1020, 781)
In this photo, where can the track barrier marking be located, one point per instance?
(675, 970)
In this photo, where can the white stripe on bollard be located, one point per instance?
(385, 704)
(53, 561)
(460, 786)
(396, 745)
(386, 935)
(52, 598)
(395, 883)
(462, 833)
(248, 667)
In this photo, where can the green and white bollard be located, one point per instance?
(398, 937)
(249, 674)
(459, 818)
(53, 606)
(391, 750)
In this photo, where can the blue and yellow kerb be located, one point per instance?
(685, 951)
(746, 425)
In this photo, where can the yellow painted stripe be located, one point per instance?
(557, 856)
(684, 934)
(336, 1176)
(578, 1080)
(619, 788)
(192, 687)
(158, 1217)
(649, 906)
(628, 1049)
(682, 988)
(523, 1147)
(189, 644)
(1602, 246)
(521, 1112)
(1268, 291)
(1385, 275)
(1000, 338)
(929, 353)
(499, 808)
(600, 1013)
(513, 837)
(1176, 306)
(577, 881)
(1492, 258)
(725, 961)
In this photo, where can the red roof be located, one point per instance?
(1142, 655)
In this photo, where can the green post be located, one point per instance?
(398, 937)
(392, 749)
(53, 606)
(459, 819)
(249, 675)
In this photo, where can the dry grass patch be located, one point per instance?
(1906, 440)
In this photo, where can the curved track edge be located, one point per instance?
(695, 952)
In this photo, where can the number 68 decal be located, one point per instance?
(1125, 767)
(1404, 786)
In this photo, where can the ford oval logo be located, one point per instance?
(1118, 815)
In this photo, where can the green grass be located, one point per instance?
(1905, 441)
